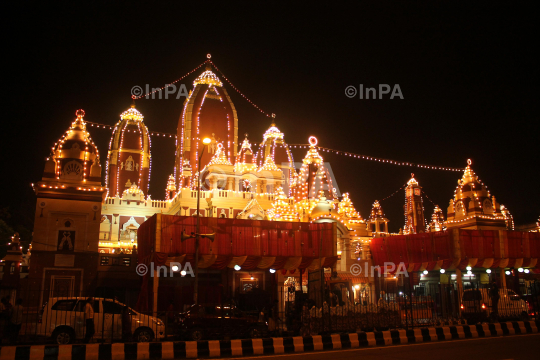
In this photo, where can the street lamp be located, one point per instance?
(205, 141)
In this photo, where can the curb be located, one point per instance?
(268, 346)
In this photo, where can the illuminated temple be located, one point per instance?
(82, 225)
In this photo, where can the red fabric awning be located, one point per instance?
(236, 237)
(475, 248)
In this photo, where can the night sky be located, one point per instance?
(468, 76)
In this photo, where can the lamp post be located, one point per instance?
(205, 141)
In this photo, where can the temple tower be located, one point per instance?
(129, 159)
(415, 222)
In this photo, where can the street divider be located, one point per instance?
(269, 346)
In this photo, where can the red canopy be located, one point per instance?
(249, 243)
(475, 248)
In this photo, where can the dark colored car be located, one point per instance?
(216, 321)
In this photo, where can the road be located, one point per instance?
(526, 347)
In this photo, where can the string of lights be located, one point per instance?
(427, 197)
(110, 127)
(394, 193)
(365, 157)
(238, 91)
(320, 148)
(155, 90)
(337, 152)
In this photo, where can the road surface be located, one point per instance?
(516, 347)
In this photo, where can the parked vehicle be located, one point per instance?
(476, 305)
(62, 319)
(531, 295)
(211, 321)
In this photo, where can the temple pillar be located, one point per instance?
(262, 188)
(230, 183)
(213, 183)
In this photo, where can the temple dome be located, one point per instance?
(377, 211)
(132, 114)
(323, 208)
(244, 159)
(208, 77)
(471, 193)
(473, 206)
(75, 156)
(274, 153)
(219, 157)
(313, 177)
(207, 112)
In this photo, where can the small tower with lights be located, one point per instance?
(415, 222)
(170, 191)
(274, 155)
(312, 177)
(474, 208)
(377, 222)
(129, 159)
(437, 220)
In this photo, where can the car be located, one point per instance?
(205, 321)
(62, 319)
(476, 305)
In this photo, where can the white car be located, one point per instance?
(63, 320)
(477, 303)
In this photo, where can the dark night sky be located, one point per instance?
(468, 75)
